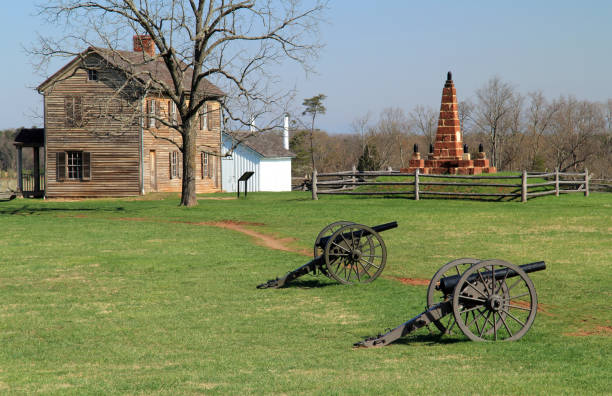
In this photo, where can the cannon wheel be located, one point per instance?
(355, 254)
(446, 325)
(503, 309)
(327, 231)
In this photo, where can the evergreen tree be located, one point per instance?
(369, 159)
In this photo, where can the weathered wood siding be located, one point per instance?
(112, 141)
(111, 134)
(209, 140)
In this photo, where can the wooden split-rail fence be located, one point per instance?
(347, 183)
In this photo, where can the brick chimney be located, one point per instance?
(145, 43)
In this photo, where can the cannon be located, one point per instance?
(344, 251)
(487, 300)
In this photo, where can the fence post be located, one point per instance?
(524, 187)
(19, 170)
(556, 182)
(354, 178)
(314, 185)
(416, 184)
(586, 182)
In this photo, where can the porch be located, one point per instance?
(30, 181)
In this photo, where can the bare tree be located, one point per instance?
(232, 43)
(539, 117)
(575, 128)
(512, 140)
(360, 127)
(465, 109)
(495, 101)
(388, 136)
(425, 122)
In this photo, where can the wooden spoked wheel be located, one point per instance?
(327, 231)
(355, 254)
(446, 325)
(494, 300)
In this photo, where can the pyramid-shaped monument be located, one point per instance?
(447, 156)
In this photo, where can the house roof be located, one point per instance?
(30, 137)
(267, 144)
(141, 65)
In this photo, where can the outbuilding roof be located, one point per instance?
(267, 144)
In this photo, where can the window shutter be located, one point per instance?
(69, 112)
(180, 165)
(201, 120)
(78, 111)
(86, 165)
(170, 164)
(210, 118)
(157, 113)
(60, 166)
(171, 112)
(148, 111)
(211, 166)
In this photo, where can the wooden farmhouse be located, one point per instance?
(102, 132)
(266, 154)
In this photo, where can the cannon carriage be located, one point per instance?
(487, 300)
(344, 251)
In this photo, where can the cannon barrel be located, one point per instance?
(447, 284)
(379, 228)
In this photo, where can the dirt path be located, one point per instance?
(239, 226)
(261, 239)
(597, 331)
(411, 281)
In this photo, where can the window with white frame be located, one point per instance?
(92, 75)
(72, 165)
(205, 165)
(174, 165)
(204, 117)
(172, 107)
(152, 113)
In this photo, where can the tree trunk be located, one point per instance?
(188, 195)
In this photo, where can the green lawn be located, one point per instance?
(138, 297)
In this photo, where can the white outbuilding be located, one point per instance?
(267, 154)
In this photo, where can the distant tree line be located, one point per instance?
(8, 153)
(517, 131)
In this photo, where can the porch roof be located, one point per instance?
(30, 137)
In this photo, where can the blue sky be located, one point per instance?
(395, 53)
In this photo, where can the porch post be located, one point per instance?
(36, 151)
(19, 170)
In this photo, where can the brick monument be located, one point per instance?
(448, 156)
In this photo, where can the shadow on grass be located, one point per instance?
(447, 198)
(427, 339)
(311, 283)
(26, 210)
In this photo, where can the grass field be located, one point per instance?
(143, 297)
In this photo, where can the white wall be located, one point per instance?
(243, 159)
(275, 174)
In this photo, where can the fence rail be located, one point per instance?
(345, 183)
